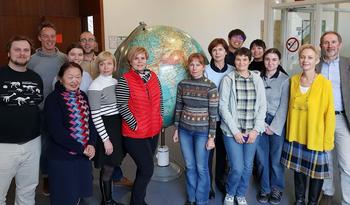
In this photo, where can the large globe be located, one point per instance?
(168, 49)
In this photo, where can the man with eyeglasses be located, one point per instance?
(337, 69)
(46, 61)
(89, 44)
(235, 40)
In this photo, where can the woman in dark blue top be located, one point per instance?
(71, 138)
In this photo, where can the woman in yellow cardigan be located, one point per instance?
(310, 127)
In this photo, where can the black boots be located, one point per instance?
(315, 187)
(299, 188)
(106, 192)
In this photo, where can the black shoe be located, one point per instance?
(190, 203)
(112, 202)
(275, 197)
(299, 202)
(262, 198)
(212, 194)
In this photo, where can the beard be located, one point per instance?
(15, 62)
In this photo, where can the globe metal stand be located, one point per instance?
(164, 170)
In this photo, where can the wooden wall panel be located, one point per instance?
(21, 7)
(24, 16)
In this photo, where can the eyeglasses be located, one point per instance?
(238, 38)
(84, 40)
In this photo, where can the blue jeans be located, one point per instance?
(268, 155)
(196, 158)
(240, 157)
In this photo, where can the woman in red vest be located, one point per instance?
(139, 100)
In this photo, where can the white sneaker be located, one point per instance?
(229, 200)
(241, 200)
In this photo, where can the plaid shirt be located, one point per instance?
(246, 97)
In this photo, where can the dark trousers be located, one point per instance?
(142, 152)
(221, 162)
(315, 187)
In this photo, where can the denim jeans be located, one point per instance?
(196, 159)
(268, 155)
(240, 157)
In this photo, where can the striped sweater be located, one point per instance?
(103, 102)
(197, 105)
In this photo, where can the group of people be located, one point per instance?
(71, 110)
(245, 105)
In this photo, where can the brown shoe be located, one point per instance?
(123, 182)
(46, 191)
(326, 200)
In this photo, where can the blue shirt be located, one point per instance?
(331, 71)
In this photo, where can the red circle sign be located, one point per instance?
(292, 44)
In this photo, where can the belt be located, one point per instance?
(339, 112)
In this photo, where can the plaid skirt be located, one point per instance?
(299, 158)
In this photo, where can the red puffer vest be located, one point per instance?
(144, 104)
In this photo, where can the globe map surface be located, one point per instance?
(168, 49)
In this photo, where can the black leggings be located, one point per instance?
(142, 152)
(106, 172)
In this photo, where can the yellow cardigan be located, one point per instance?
(311, 116)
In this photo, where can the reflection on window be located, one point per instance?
(90, 20)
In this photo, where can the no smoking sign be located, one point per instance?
(292, 44)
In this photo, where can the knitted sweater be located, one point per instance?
(102, 102)
(47, 66)
(20, 95)
(69, 124)
(196, 105)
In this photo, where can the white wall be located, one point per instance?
(202, 19)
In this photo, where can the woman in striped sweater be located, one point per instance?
(105, 115)
(195, 121)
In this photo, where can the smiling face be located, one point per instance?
(139, 61)
(242, 63)
(308, 59)
(196, 68)
(271, 62)
(76, 55)
(71, 78)
(19, 53)
(218, 53)
(236, 41)
(47, 38)
(257, 52)
(106, 67)
(88, 42)
(330, 46)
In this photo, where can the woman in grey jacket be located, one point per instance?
(242, 107)
(269, 150)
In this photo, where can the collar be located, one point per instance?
(88, 59)
(331, 61)
(237, 75)
(42, 53)
(216, 69)
(274, 75)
